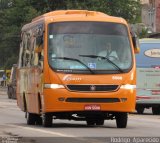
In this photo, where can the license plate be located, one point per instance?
(93, 107)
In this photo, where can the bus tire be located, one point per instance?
(156, 110)
(47, 120)
(121, 120)
(31, 118)
(140, 110)
(38, 120)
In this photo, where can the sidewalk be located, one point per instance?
(3, 91)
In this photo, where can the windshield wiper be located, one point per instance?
(95, 56)
(72, 59)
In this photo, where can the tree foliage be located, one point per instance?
(16, 13)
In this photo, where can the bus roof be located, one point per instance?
(69, 12)
(75, 15)
(149, 40)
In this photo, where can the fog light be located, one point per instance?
(61, 99)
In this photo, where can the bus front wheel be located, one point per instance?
(121, 120)
(47, 120)
(31, 118)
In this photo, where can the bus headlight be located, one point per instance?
(128, 86)
(54, 86)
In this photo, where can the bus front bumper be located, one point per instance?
(62, 100)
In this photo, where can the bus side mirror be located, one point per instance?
(135, 42)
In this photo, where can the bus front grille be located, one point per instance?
(93, 88)
(93, 100)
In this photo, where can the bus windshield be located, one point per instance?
(102, 47)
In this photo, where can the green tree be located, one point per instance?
(129, 10)
(15, 13)
(12, 20)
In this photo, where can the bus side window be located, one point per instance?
(22, 51)
(27, 51)
(20, 61)
(41, 53)
(35, 55)
(38, 51)
(32, 51)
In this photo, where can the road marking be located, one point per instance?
(56, 133)
(42, 131)
(79, 138)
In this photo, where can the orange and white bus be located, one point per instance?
(61, 75)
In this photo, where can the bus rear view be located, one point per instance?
(148, 76)
(88, 69)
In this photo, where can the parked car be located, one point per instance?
(148, 76)
(11, 86)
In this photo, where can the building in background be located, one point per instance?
(151, 14)
(157, 15)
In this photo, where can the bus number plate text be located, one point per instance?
(92, 107)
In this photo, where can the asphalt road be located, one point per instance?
(13, 127)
